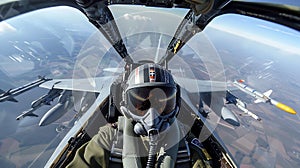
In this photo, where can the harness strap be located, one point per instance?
(183, 152)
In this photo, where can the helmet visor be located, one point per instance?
(163, 99)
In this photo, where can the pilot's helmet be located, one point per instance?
(152, 99)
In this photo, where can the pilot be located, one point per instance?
(149, 133)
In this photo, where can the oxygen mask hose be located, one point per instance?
(153, 136)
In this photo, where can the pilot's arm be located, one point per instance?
(95, 153)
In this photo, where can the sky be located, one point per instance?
(245, 27)
(264, 32)
(288, 2)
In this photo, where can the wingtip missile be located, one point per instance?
(11, 93)
(263, 97)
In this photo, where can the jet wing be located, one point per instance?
(85, 85)
(197, 86)
(80, 123)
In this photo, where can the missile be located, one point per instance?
(246, 111)
(231, 99)
(11, 93)
(47, 98)
(37, 102)
(27, 113)
(262, 97)
(65, 102)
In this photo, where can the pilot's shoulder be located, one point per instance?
(105, 135)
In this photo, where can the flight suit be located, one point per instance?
(105, 150)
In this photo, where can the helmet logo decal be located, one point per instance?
(137, 76)
(152, 75)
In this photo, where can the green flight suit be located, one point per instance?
(96, 152)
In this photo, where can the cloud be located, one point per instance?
(136, 17)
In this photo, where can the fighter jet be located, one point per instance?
(212, 93)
